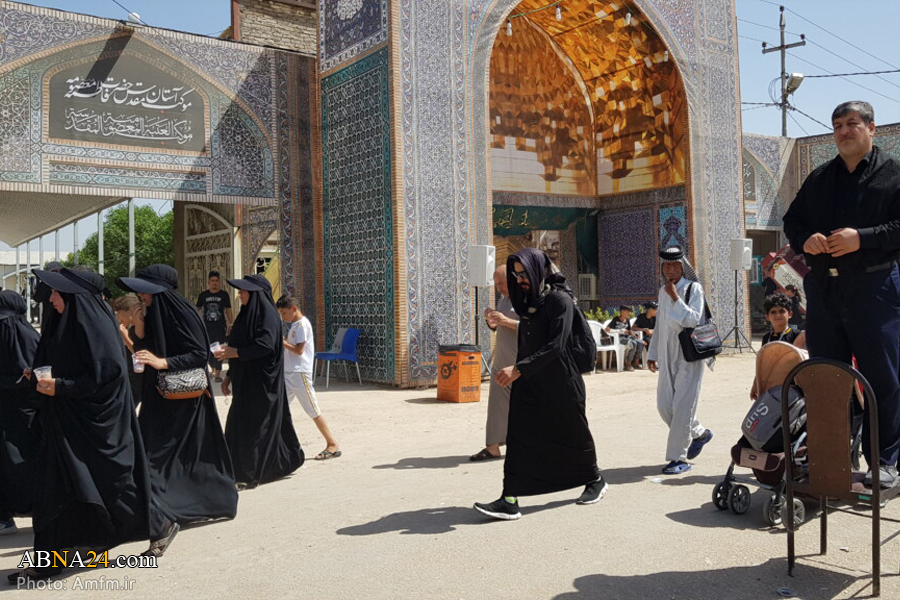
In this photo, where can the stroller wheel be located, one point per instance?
(772, 511)
(799, 512)
(739, 499)
(720, 495)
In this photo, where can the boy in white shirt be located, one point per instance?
(299, 353)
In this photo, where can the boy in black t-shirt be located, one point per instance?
(214, 306)
(778, 314)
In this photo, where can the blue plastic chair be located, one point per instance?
(347, 354)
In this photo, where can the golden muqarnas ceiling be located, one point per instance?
(636, 94)
(538, 103)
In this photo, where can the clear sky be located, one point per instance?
(842, 37)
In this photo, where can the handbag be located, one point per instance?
(703, 341)
(185, 384)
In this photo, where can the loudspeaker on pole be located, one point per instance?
(481, 266)
(741, 254)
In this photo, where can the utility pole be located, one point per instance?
(783, 48)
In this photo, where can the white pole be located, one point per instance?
(56, 244)
(18, 274)
(27, 281)
(41, 265)
(75, 237)
(131, 237)
(100, 241)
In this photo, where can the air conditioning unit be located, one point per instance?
(587, 287)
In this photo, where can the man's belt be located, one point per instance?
(872, 269)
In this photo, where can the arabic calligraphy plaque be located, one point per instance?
(127, 102)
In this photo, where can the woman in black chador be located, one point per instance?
(259, 431)
(190, 468)
(93, 486)
(19, 429)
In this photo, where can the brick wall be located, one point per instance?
(277, 24)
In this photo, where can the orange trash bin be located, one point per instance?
(459, 373)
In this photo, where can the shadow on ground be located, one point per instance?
(429, 521)
(427, 462)
(760, 581)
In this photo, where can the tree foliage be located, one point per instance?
(153, 243)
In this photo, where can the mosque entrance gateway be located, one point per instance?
(588, 145)
(93, 111)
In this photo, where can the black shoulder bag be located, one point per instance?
(703, 341)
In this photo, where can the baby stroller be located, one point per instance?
(773, 363)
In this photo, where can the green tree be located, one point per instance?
(153, 243)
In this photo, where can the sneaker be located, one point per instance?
(8, 527)
(593, 492)
(676, 467)
(500, 509)
(696, 446)
(889, 477)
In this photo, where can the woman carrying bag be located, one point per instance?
(190, 468)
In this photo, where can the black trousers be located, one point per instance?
(859, 316)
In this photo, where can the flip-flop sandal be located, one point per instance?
(483, 455)
(158, 548)
(326, 454)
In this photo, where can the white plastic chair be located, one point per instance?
(610, 346)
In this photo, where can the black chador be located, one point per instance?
(190, 468)
(93, 487)
(19, 428)
(259, 431)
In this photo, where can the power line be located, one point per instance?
(129, 11)
(766, 26)
(751, 38)
(856, 65)
(798, 123)
(850, 80)
(811, 118)
(862, 73)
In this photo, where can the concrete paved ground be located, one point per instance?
(392, 518)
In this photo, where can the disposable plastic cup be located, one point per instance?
(138, 365)
(43, 373)
(215, 347)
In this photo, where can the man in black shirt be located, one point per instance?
(214, 306)
(846, 220)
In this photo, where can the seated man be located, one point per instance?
(646, 322)
(633, 346)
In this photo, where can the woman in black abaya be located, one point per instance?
(19, 429)
(264, 446)
(93, 487)
(190, 468)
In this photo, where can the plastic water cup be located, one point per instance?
(215, 347)
(43, 373)
(138, 365)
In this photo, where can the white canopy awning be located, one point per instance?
(25, 216)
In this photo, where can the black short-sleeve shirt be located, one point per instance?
(213, 307)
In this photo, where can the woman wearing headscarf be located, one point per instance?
(678, 389)
(93, 487)
(549, 446)
(19, 428)
(190, 468)
(264, 446)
